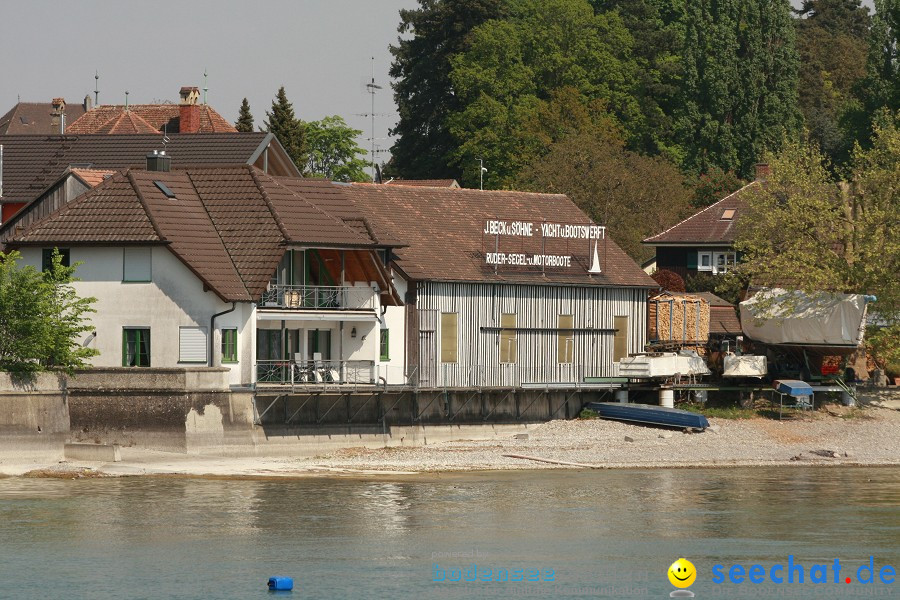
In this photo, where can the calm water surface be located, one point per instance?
(605, 534)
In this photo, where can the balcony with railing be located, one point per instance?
(316, 372)
(318, 297)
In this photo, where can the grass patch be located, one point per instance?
(588, 414)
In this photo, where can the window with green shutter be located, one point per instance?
(384, 345)
(229, 346)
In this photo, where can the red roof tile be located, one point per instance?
(92, 177)
(34, 118)
(707, 226)
(157, 116)
(443, 230)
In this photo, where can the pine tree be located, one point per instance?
(739, 85)
(289, 130)
(245, 119)
(433, 33)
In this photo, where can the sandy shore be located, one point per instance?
(830, 436)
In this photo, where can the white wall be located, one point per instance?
(394, 370)
(174, 298)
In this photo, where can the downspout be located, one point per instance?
(212, 331)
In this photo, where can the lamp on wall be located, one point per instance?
(353, 332)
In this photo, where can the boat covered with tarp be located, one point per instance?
(649, 414)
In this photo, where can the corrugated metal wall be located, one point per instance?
(538, 309)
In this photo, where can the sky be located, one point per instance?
(320, 50)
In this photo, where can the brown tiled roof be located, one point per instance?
(229, 225)
(92, 177)
(33, 118)
(157, 116)
(31, 163)
(707, 226)
(441, 183)
(724, 320)
(443, 230)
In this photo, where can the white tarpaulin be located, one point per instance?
(800, 319)
(747, 365)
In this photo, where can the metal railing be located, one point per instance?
(318, 297)
(316, 372)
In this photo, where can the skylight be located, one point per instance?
(164, 189)
(728, 214)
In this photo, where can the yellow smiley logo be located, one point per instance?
(682, 573)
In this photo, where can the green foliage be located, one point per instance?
(425, 98)
(245, 119)
(832, 42)
(738, 94)
(544, 53)
(333, 151)
(712, 186)
(587, 414)
(41, 317)
(635, 196)
(807, 231)
(728, 287)
(289, 130)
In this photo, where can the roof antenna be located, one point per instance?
(205, 88)
(165, 139)
(96, 88)
(481, 171)
(372, 88)
(126, 99)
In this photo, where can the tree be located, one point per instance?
(807, 230)
(635, 196)
(711, 187)
(832, 42)
(738, 94)
(333, 151)
(245, 119)
(658, 28)
(516, 67)
(425, 98)
(289, 130)
(41, 317)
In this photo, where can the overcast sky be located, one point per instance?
(320, 50)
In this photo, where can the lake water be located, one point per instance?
(602, 534)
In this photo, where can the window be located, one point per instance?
(47, 258)
(449, 338)
(565, 348)
(384, 349)
(137, 265)
(620, 342)
(704, 261)
(508, 338)
(723, 262)
(319, 342)
(136, 347)
(192, 344)
(229, 346)
(728, 214)
(268, 344)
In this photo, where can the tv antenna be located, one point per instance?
(481, 171)
(372, 88)
(96, 88)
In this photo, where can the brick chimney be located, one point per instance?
(58, 115)
(189, 116)
(762, 171)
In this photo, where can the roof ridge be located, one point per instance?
(143, 202)
(697, 214)
(218, 233)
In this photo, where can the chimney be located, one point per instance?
(87, 104)
(58, 115)
(189, 116)
(159, 161)
(762, 171)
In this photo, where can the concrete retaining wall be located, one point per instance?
(34, 420)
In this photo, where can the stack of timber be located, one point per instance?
(679, 318)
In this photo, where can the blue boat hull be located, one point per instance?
(649, 414)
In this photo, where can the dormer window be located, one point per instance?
(728, 214)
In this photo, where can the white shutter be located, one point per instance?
(192, 344)
(137, 264)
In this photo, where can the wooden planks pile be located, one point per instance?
(679, 318)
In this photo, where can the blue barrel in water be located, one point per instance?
(281, 584)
